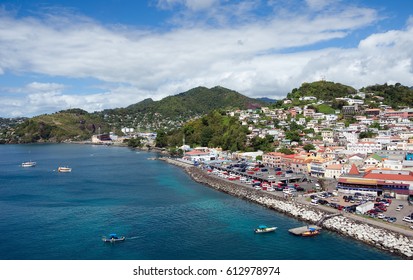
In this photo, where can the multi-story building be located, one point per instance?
(397, 183)
(364, 147)
(272, 159)
(333, 171)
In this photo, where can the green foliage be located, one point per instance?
(180, 108)
(212, 130)
(286, 151)
(134, 142)
(263, 144)
(293, 135)
(322, 90)
(394, 95)
(308, 147)
(161, 139)
(73, 124)
(375, 125)
(367, 134)
(325, 109)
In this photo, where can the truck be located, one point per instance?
(363, 208)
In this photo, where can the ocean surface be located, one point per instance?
(46, 215)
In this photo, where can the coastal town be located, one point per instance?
(363, 168)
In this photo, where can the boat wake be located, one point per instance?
(133, 237)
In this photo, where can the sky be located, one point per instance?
(95, 55)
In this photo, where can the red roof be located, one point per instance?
(396, 177)
(194, 153)
(354, 170)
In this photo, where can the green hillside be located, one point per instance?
(73, 124)
(198, 100)
(395, 96)
(322, 90)
(173, 111)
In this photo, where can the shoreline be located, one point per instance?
(373, 234)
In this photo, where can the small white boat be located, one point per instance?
(29, 164)
(264, 228)
(113, 238)
(64, 169)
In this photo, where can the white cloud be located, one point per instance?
(254, 57)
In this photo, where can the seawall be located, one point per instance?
(376, 236)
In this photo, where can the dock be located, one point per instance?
(301, 230)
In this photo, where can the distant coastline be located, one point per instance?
(382, 236)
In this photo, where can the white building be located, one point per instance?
(364, 147)
(333, 171)
(393, 164)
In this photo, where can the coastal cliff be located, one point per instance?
(379, 237)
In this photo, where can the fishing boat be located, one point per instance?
(113, 237)
(64, 169)
(29, 164)
(311, 232)
(264, 228)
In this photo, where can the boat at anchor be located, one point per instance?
(311, 232)
(113, 237)
(29, 164)
(64, 169)
(264, 228)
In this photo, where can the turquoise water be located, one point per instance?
(46, 215)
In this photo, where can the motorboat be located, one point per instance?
(311, 232)
(64, 169)
(113, 237)
(29, 164)
(264, 228)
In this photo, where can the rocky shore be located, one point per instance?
(379, 237)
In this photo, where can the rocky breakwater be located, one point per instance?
(291, 208)
(376, 236)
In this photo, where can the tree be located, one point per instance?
(308, 147)
(161, 139)
(286, 151)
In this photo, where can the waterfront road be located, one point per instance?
(399, 226)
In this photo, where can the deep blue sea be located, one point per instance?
(46, 215)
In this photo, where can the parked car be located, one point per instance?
(380, 216)
(408, 219)
(392, 219)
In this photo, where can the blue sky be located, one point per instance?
(95, 55)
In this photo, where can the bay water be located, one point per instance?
(47, 215)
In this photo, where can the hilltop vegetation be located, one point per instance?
(215, 129)
(395, 96)
(322, 90)
(204, 109)
(174, 111)
(73, 124)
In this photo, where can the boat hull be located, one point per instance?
(310, 233)
(265, 230)
(113, 240)
(64, 169)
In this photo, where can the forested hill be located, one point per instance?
(72, 124)
(395, 95)
(173, 111)
(199, 100)
(322, 90)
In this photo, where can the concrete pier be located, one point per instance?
(301, 230)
